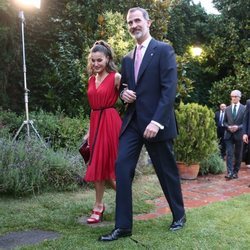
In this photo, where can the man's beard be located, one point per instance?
(137, 35)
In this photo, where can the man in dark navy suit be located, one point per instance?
(149, 90)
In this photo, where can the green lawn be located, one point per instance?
(222, 225)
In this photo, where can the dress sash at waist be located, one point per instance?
(111, 107)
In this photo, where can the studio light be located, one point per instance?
(29, 3)
(27, 121)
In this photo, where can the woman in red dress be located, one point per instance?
(105, 123)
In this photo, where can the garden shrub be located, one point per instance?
(197, 133)
(212, 164)
(28, 167)
(59, 131)
(9, 123)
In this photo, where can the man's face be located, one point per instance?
(223, 107)
(235, 99)
(138, 26)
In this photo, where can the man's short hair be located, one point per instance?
(143, 11)
(236, 93)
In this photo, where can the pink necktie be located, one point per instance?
(138, 60)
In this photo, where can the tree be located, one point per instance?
(187, 25)
(9, 52)
(230, 46)
(223, 65)
(57, 39)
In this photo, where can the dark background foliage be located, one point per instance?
(59, 35)
(57, 41)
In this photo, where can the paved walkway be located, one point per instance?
(203, 191)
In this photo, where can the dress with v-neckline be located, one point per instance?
(101, 81)
(102, 100)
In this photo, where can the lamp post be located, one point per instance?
(27, 121)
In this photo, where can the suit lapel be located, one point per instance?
(149, 54)
(239, 112)
(131, 68)
(230, 113)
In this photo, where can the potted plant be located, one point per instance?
(197, 137)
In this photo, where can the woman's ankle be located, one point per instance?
(99, 206)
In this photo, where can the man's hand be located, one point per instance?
(245, 138)
(151, 131)
(233, 128)
(128, 96)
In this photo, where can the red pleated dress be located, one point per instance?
(103, 154)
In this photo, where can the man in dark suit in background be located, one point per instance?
(149, 120)
(233, 121)
(219, 118)
(246, 131)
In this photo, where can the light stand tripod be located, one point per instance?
(27, 122)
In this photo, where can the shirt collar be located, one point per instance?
(145, 43)
(237, 104)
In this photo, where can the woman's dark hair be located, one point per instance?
(103, 47)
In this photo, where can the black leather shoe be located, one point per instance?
(116, 234)
(235, 176)
(229, 176)
(179, 224)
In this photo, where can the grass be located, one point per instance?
(221, 225)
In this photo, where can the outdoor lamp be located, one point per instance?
(196, 51)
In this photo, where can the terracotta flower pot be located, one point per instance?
(188, 172)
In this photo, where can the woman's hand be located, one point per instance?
(86, 136)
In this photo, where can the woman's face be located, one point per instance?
(99, 62)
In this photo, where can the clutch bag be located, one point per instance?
(85, 151)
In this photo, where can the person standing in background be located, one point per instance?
(233, 121)
(219, 118)
(246, 132)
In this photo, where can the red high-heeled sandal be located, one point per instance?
(93, 220)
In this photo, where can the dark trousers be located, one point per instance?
(222, 144)
(130, 145)
(234, 155)
(246, 153)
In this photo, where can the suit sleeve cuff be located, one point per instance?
(158, 124)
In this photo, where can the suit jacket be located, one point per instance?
(217, 119)
(155, 89)
(229, 121)
(246, 119)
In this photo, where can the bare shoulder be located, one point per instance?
(117, 76)
(117, 80)
(90, 77)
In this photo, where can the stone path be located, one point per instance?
(203, 191)
(18, 239)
